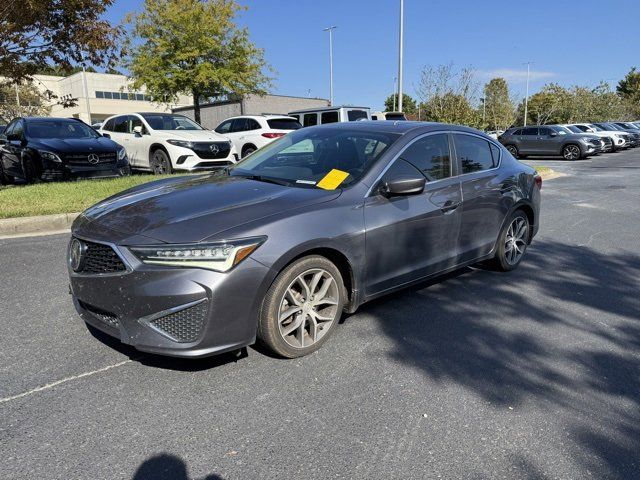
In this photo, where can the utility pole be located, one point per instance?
(86, 93)
(395, 92)
(330, 30)
(484, 109)
(400, 55)
(526, 98)
(17, 96)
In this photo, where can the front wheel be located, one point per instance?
(302, 307)
(512, 242)
(513, 150)
(160, 162)
(30, 171)
(571, 152)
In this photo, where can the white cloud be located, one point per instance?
(516, 76)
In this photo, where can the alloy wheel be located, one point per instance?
(571, 152)
(512, 150)
(308, 308)
(516, 240)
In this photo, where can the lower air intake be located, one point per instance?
(185, 325)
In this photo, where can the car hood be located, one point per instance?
(76, 145)
(190, 209)
(192, 135)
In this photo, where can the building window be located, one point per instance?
(99, 94)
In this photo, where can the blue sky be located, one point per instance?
(569, 42)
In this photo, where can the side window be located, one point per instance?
(109, 125)
(495, 153)
(398, 169)
(224, 127)
(329, 117)
(529, 131)
(239, 125)
(121, 124)
(136, 122)
(253, 124)
(431, 156)
(544, 132)
(18, 129)
(353, 115)
(517, 132)
(473, 153)
(310, 119)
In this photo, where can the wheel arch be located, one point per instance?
(157, 146)
(246, 145)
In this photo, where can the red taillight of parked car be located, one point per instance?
(538, 180)
(273, 135)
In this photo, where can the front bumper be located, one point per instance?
(187, 160)
(182, 312)
(62, 171)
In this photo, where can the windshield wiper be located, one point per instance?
(261, 178)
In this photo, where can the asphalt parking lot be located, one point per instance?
(533, 374)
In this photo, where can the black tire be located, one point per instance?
(248, 150)
(30, 170)
(572, 152)
(513, 150)
(270, 331)
(502, 260)
(4, 178)
(160, 162)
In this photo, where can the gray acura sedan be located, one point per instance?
(277, 247)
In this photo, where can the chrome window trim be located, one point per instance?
(397, 155)
(488, 141)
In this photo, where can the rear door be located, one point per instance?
(410, 237)
(549, 144)
(529, 140)
(483, 208)
(138, 144)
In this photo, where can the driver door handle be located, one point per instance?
(449, 206)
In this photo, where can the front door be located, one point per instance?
(410, 237)
(529, 140)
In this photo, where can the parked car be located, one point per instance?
(618, 138)
(96, 126)
(251, 132)
(274, 248)
(33, 148)
(388, 116)
(320, 116)
(549, 140)
(631, 128)
(634, 138)
(607, 140)
(164, 142)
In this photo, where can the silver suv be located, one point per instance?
(550, 140)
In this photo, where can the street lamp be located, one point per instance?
(400, 55)
(395, 92)
(526, 98)
(484, 110)
(330, 30)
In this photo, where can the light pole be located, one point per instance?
(395, 92)
(330, 30)
(526, 98)
(484, 109)
(400, 55)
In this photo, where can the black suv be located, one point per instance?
(34, 148)
(550, 140)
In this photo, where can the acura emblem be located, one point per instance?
(93, 158)
(76, 254)
(213, 148)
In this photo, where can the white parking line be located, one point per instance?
(64, 380)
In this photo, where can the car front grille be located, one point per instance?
(185, 325)
(204, 149)
(100, 258)
(82, 159)
(102, 315)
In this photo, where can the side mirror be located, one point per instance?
(106, 135)
(553, 134)
(403, 185)
(137, 130)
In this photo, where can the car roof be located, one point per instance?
(399, 126)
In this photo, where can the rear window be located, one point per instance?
(353, 115)
(395, 116)
(284, 124)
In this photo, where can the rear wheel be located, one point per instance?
(571, 152)
(302, 307)
(248, 150)
(30, 171)
(512, 242)
(513, 150)
(160, 162)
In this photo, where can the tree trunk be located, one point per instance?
(196, 107)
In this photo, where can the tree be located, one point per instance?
(36, 34)
(194, 47)
(22, 101)
(449, 96)
(547, 106)
(409, 105)
(629, 90)
(499, 106)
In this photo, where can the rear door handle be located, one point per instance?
(449, 206)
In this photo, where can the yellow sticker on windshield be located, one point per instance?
(332, 180)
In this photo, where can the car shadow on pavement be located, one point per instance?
(166, 466)
(561, 333)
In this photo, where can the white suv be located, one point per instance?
(619, 139)
(164, 142)
(251, 132)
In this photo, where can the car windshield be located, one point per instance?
(561, 130)
(161, 121)
(597, 128)
(64, 129)
(574, 129)
(324, 158)
(612, 126)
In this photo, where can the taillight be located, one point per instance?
(273, 135)
(538, 180)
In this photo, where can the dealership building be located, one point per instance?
(213, 113)
(100, 95)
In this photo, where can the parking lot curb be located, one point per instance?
(40, 225)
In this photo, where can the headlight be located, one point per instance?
(181, 143)
(121, 154)
(218, 256)
(50, 156)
